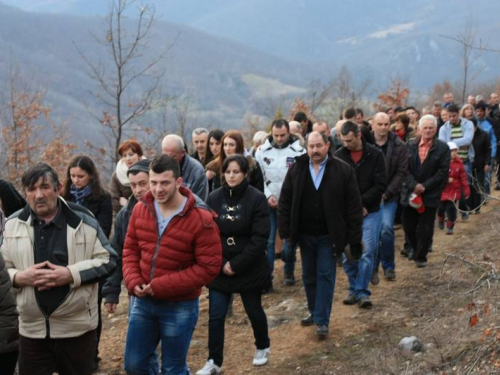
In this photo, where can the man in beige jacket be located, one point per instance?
(55, 255)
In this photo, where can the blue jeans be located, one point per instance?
(217, 311)
(288, 253)
(319, 266)
(385, 251)
(152, 321)
(360, 272)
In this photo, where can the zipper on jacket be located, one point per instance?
(157, 248)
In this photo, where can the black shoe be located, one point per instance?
(390, 275)
(289, 279)
(350, 300)
(339, 261)
(375, 279)
(421, 263)
(497, 188)
(365, 303)
(465, 216)
(441, 225)
(411, 254)
(307, 321)
(322, 331)
(404, 252)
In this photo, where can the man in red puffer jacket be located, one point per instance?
(171, 251)
(457, 181)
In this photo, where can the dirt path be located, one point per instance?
(419, 303)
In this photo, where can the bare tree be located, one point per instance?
(346, 92)
(317, 94)
(470, 55)
(130, 89)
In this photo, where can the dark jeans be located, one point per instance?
(476, 188)
(319, 266)
(68, 356)
(448, 209)
(419, 229)
(217, 311)
(8, 362)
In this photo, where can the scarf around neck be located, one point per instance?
(80, 194)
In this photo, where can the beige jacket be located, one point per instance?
(90, 259)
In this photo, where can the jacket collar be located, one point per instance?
(72, 219)
(192, 201)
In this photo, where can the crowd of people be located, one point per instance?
(219, 218)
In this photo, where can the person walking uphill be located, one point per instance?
(171, 251)
(243, 219)
(369, 166)
(457, 182)
(320, 209)
(55, 254)
(428, 165)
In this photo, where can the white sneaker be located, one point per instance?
(210, 368)
(261, 357)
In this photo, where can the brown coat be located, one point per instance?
(118, 190)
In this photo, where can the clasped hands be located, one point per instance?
(43, 276)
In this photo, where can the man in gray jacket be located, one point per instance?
(192, 172)
(56, 255)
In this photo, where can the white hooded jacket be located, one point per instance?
(274, 163)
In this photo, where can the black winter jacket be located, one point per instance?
(8, 313)
(243, 220)
(101, 208)
(341, 200)
(396, 164)
(482, 148)
(113, 285)
(432, 174)
(371, 175)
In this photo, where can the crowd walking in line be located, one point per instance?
(219, 218)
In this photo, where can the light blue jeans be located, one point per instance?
(153, 321)
(385, 251)
(359, 272)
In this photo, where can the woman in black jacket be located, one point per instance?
(83, 187)
(243, 220)
(232, 143)
(9, 349)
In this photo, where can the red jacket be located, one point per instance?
(185, 258)
(452, 190)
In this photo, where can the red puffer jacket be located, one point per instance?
(185, 258)
(459, 181)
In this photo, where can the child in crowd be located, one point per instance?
(457, 181)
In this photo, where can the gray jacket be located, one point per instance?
(194, 177)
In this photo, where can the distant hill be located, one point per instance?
(221, 77)
(374, 38)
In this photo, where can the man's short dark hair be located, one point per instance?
(40, 170)
(481, 105)
(239, 159)
(348, 127)
(359, 111)
(300, 117)
(410, 107)
(163, 163)
(438, 104)
(453, 108)
(349, 113)
(280, 123)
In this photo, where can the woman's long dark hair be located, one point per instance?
(217, 134)
(85, 163)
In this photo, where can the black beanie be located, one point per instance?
(140, 166)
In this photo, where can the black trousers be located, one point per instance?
(419, 230)
(8, 362)
(70, 356)
(448, 209)
(217, 311)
